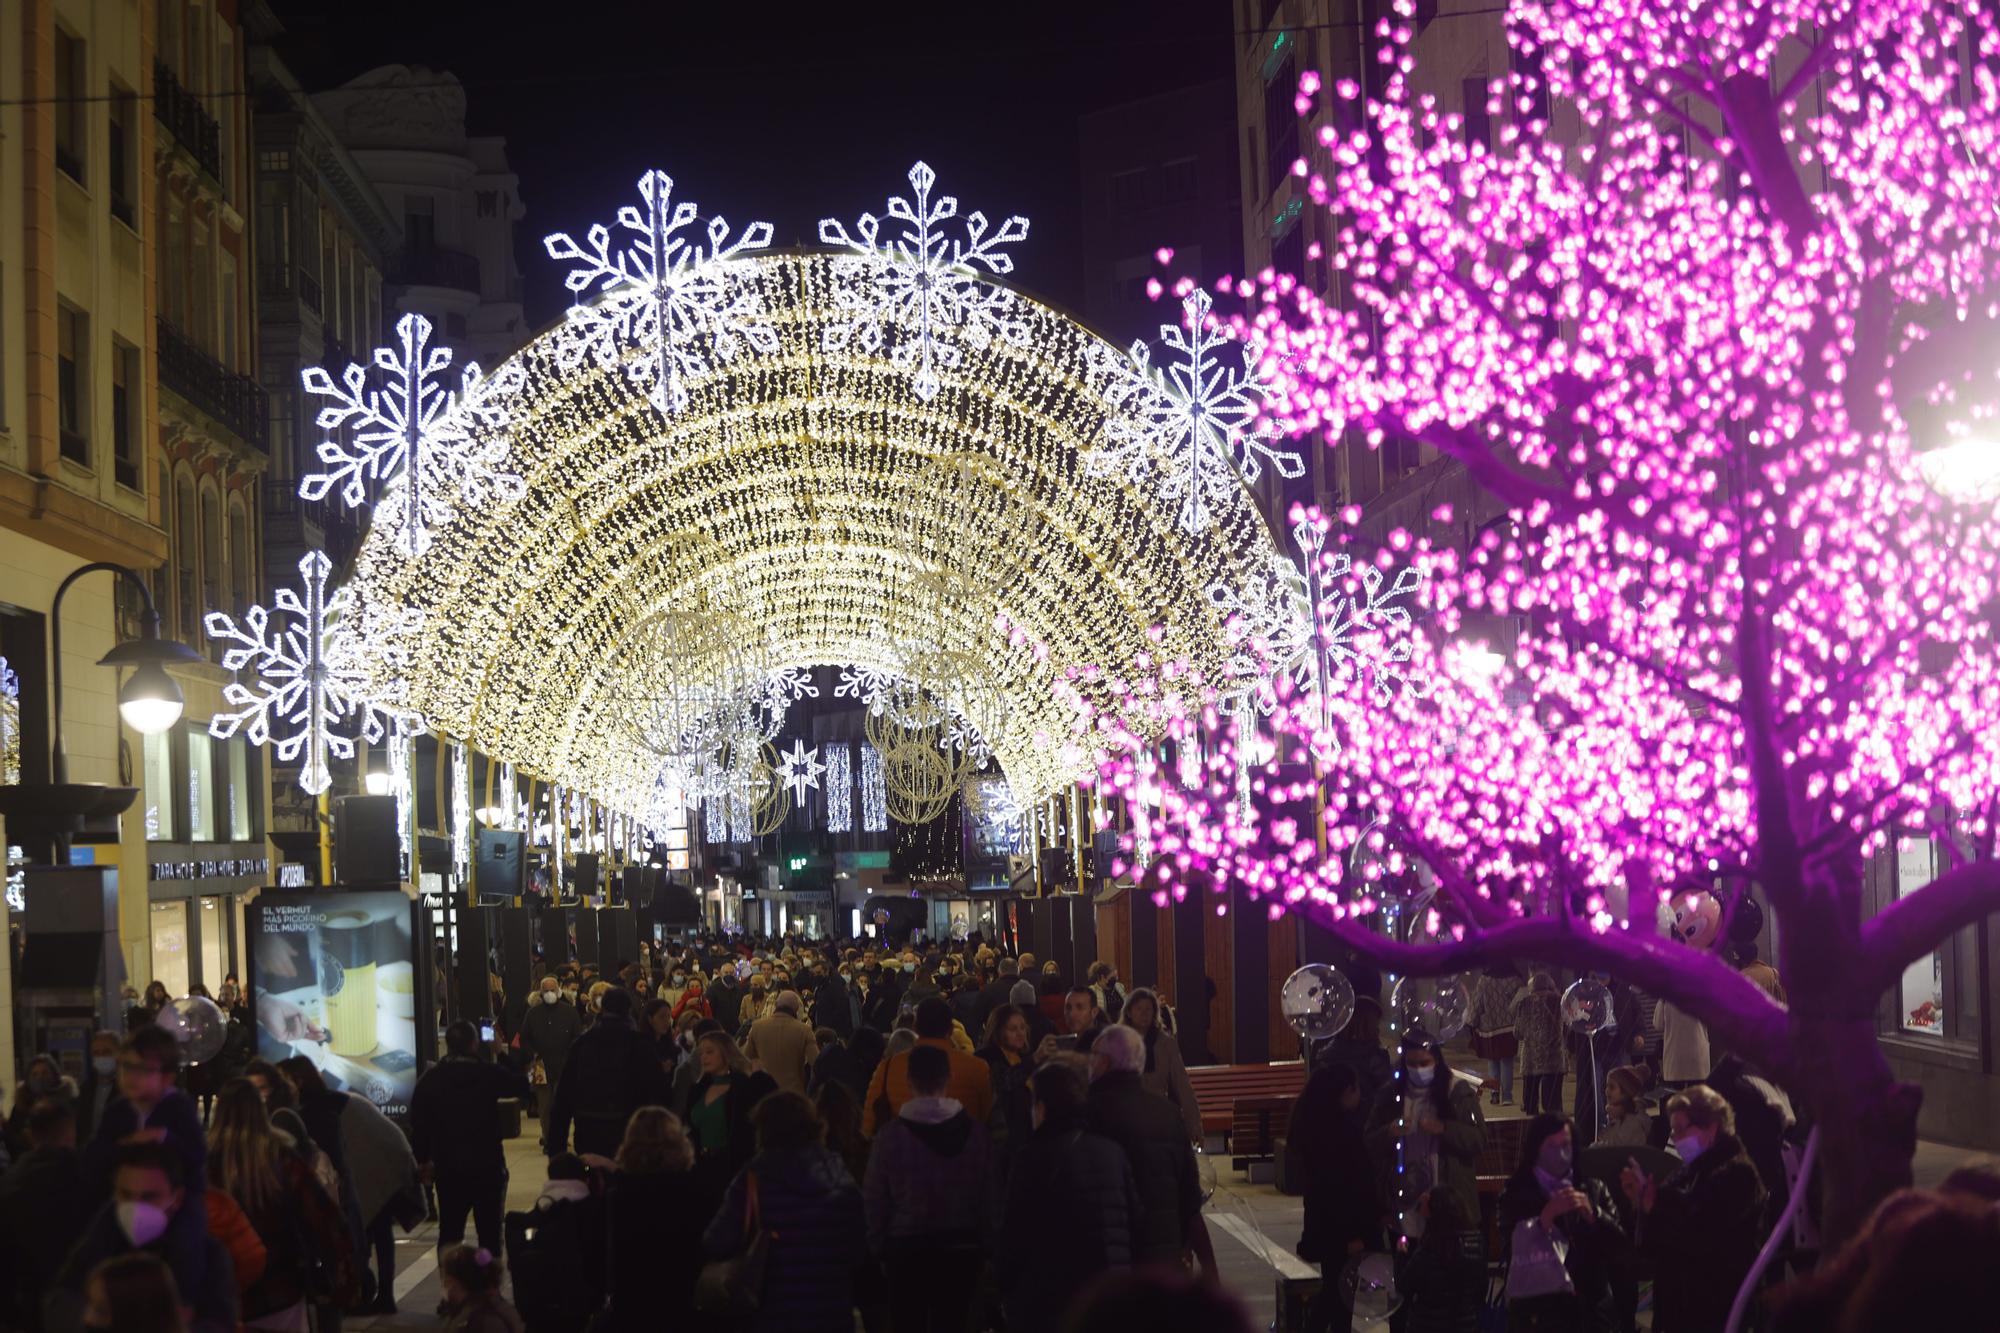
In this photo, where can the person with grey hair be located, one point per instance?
(1149, 1130)
(782, 1045)
(1023, 996)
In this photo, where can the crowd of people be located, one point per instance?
(777, 1135)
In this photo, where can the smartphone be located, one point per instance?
(1066, 1041)
(486, 1032)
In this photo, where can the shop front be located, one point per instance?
(196, 894)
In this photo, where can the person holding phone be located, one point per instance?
(1563, 1235)
(455, 1132)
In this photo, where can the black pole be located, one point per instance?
(149, 628)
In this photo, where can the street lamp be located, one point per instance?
(149, 701)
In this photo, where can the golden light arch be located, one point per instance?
(789, 486)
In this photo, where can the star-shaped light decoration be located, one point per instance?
(799, 769)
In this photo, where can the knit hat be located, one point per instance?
(1023, 994)
(788, 1000)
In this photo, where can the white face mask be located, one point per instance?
(1690, 1147)
(142, 1223)
(1421, 1078)
(104, 1064)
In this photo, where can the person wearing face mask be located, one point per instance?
(1429, 1121)
(1702, 1227)
(1564, 1236)
(149, 1213)
(547, 1034)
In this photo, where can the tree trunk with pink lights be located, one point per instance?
(1696, 328)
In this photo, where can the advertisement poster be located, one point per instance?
(333, 980)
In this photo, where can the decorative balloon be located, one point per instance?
(198, 1025)
(1368, 1281)
(1317, 1000)
(1586, 1006)
(1439, 1005)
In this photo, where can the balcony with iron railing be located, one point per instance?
(281, 280)
(187, 120)
(434, 266)
(236, 401)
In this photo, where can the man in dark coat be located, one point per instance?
(612, 1070)
(1066, 1174)
(150, 1210)
(455, 1132)
(41, 1212)
(1151, 1131)
(547, 1033)
(830, 1006)
(994, 994)
(725, 998)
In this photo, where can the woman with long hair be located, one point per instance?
(1005, 1051)
(1343, 1200)
(305, 1237)
(1165, 1072)
(133, 1293)
(797, 1191)
(1552, 1219)
(719, 1106)
(1425, 1131)
(654, 1211)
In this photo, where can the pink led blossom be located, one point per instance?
(1730, 268)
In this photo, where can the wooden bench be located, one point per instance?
(1255, 1126)
(1219, 1088)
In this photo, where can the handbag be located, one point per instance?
(1537, 1267)
(735, 1286)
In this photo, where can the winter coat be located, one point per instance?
(1493, 1005)
(653, 1229)
(971, 1085)
(41, 1212)
(836, 1064)
(1071, 1212)
(1457, 1147)
(455, 1117)
(1444, 1284)
(1684, 1053)
(725, 1002)
(612, 1071)
(230, 1226)
(548, 1032)
(745, 1091)
(785, 1047)
(176, 1114)
(304, 1233)
(1343, 1198)
(693, 1001)
(1150, 1130)
(1370, 1063)
(1538, 1028)
(1634, 1131)
(832, 1006)
(1702, 1236)
(1012, 1118)
(199, 1263)
(811, 1210)
(879, 1010)
(1596, 1249)
(487, 1312)
(1166, 1074)
(991, 996)
(928, 1177)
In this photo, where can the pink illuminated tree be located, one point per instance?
(1730, 270)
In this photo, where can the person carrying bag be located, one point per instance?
(735, 1286)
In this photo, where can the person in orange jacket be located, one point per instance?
(971, 1082)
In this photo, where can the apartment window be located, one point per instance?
(72, 108)
(329, 274)
(1177, 181)
(1128, 192)
(201, 785)
(420, 225)
(159, 780)
(173, 264)
(1281, 123)
(125, 385)
(242, 561)
(211, 552)
(187, 542)
(241, 798)
(229, 356)
(73, 383)
(1478, 124)
(1938, 998)
(121, 165)
(274, 159)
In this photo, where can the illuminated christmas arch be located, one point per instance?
(786, 482)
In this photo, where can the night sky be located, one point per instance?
(780, 112)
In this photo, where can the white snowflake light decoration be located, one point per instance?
(1197, 421)
(1363, 619)
(1270, 622)
(799, 769)
(839, 787)
(924, 276)
(414, 429)
(662, 291)
(311, 693)
(867, 686)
